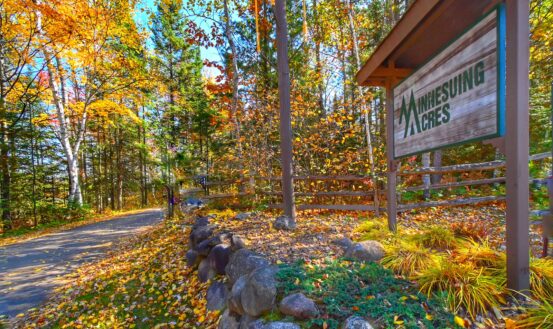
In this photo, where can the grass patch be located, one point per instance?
(436, 237)
(343, 288)
(539, 315)
(375, 229)
(409, 259)
(463, 286)
(541, 276)
(481, 254)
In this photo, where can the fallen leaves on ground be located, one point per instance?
(144, 283)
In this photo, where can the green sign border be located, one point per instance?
(501, 68)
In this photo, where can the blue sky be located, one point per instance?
(211, 54)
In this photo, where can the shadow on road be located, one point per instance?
(29, 271)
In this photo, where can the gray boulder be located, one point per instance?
(243, 216)
(356, 322)
(259, 294)
(205, 272)
(192, 258)
(257, 324)
(219, 257)
(234, 302)
(200, 234)
(283, 223)
(281, 325)
(200, 221)
(344, 243)
(236, 243)
(229, 320)
(366, 251)
(243, 262)
(298, 306)
(217, 296)
(247, 322)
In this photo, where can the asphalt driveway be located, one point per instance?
(31, 270)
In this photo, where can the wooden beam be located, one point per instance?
(517, 141)
(409, 21)
(387, 72)
(339, 207)
(455, 202)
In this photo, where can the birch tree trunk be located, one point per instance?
(426, 177)
(364, 108)
(62, 130)
(235, 81)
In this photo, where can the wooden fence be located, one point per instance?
(357, 193)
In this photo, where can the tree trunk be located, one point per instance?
(4, 148)
(235, 81)
(285, 116)
(364, 108)
(437, 163)
(71, 150)
(426, 178)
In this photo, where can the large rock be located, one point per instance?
(192, 258)
(200, 234)
(298, 306)
(236, 243)
(200, 221)
(247, 322)
(204, 247)
(234, 302)
(205, 272)
(219, 257)
(283, 223)
(257, 324)
(281, 325)
(229, 320)
(217, 296)
(243, 262)
(356, 322)
(344, 243)
(259, 293)
(367, 251)
(243, 216)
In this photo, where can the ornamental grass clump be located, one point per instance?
(481, 254)
(409, 259)
(436, 237)
(539, 314)
(373, 230)
(541, 276)
(464, 286)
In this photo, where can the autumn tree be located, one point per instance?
(87, 72)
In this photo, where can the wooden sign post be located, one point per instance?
(468, 65)
(517, 145)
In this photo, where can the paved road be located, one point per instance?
(29, 271)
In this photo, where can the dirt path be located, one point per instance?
(29, 271)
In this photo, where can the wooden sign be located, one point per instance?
(458, 96)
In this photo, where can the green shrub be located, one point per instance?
(343, 288)
(464, 286)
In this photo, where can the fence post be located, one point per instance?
(391, 196)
